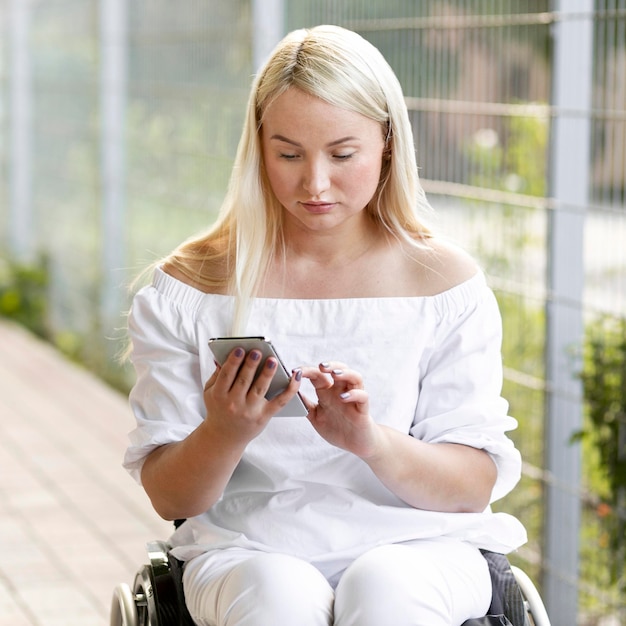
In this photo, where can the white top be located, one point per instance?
(431, 366)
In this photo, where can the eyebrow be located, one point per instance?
(330, 145)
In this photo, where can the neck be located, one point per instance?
(332, 248)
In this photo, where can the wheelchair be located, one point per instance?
(157, 598)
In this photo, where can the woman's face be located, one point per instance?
(323, 162)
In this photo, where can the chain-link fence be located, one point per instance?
(119, 122)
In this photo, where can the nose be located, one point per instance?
(316, 177)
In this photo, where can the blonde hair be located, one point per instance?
(342, 68)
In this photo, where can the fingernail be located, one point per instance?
(345, 395)
(337, 372)
(271, 365)
(255, 355)
(239, 352)
(325, 365)
(298, 375)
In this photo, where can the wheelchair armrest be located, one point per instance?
(158, 552)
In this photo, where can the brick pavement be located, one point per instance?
(72, 522)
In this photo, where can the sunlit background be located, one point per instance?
(118, 126)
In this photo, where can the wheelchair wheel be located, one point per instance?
(535, 606)
(154, 591)
(145, 601)
(123, 607)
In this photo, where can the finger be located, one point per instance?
(318, 379)
(281, 400)
(248, 370)
(347, 377)
(266, 373)
(354, 396)
(341, 374)
(329, 366)
(227, 371)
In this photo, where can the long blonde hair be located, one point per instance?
(342, 68)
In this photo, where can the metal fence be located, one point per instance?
(118, 125)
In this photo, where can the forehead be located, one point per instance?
(297, 112)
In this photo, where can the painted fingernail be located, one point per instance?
(298, 375)
(255, 355)
(325, 365)
(239, 352)
(337, 372)
(345, 395)
(271, 364)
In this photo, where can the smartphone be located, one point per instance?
(223, 346)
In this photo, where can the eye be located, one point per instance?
(343, 157)
(288, 157)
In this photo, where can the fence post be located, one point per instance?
(569, 183)
(21, 223)
(268, 25)
(113, 54)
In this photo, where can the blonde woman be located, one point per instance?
(372, 509)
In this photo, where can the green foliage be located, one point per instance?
(98, 354)
(24, 299)
(604, 434)
(526, 155)
(23, 294)
(524, 335)
(515, 161)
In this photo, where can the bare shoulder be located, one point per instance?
(441, 266)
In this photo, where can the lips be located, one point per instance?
(318, 207)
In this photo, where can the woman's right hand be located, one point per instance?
(235, 400)
(187, 477)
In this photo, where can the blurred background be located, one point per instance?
(119, 122)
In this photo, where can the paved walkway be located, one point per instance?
(72, 522)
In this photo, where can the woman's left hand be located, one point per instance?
(431, 476)
(341, 415)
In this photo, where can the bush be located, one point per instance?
(604, 434)
(23, 295)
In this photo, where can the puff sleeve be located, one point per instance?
(460, 389)
(167, 398)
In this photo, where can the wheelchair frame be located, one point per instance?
(157, 598)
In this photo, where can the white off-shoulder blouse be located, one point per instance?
(431, 366)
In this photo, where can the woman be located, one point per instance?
(374, 508)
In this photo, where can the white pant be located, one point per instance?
(423, 583)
